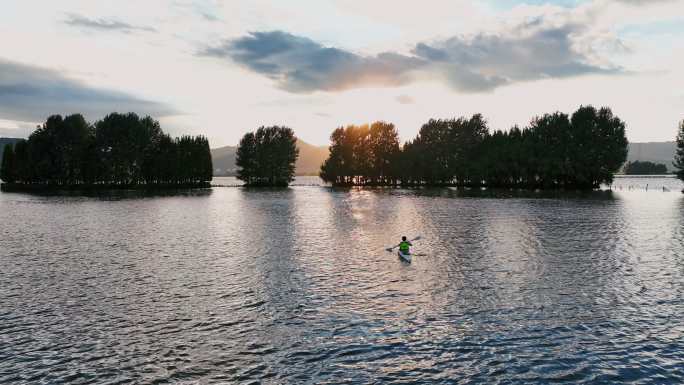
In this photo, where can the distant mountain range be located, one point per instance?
(309, 162)
(656, 152)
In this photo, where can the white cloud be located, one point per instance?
(224, 100)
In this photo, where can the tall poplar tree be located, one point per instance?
(7, 168)
(679, 155)
(267, 157)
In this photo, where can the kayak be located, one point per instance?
(405, 257)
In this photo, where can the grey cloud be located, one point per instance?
(207, 15)
(30, 94)
(299, 64)
(489, 61)
(206, 9)
(104, 24)
(481, 63)
(430, 53)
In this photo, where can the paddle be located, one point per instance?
(394, 247)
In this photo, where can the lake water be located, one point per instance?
(235, 285)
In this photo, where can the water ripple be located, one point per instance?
(294, 286)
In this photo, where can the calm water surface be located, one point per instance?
(294, 286)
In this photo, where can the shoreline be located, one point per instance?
(88, 188)
(21, 187)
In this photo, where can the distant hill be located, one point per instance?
(309, 162)
(223, 159)
(310, 158)
(656, 152)
(4, 141)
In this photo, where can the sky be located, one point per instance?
(223, 68)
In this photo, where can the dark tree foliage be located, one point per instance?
(21, 161)
(445, 152)
(645, 168)
(383, 152)
(429, 155)
(679, 155)
(363, 155)
(267, 157)
(5, 141)
(598, 146)
(555, 151)
(121, 149)
(246, 158)
(7, 168)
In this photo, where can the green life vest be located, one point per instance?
(404, 247)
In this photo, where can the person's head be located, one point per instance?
(403, 239)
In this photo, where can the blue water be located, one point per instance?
(294, 286)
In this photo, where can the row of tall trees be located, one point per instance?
(267, 157)
(554, 151)
(361, 155)
(121, 149)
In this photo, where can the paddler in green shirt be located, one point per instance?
(404, 246)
